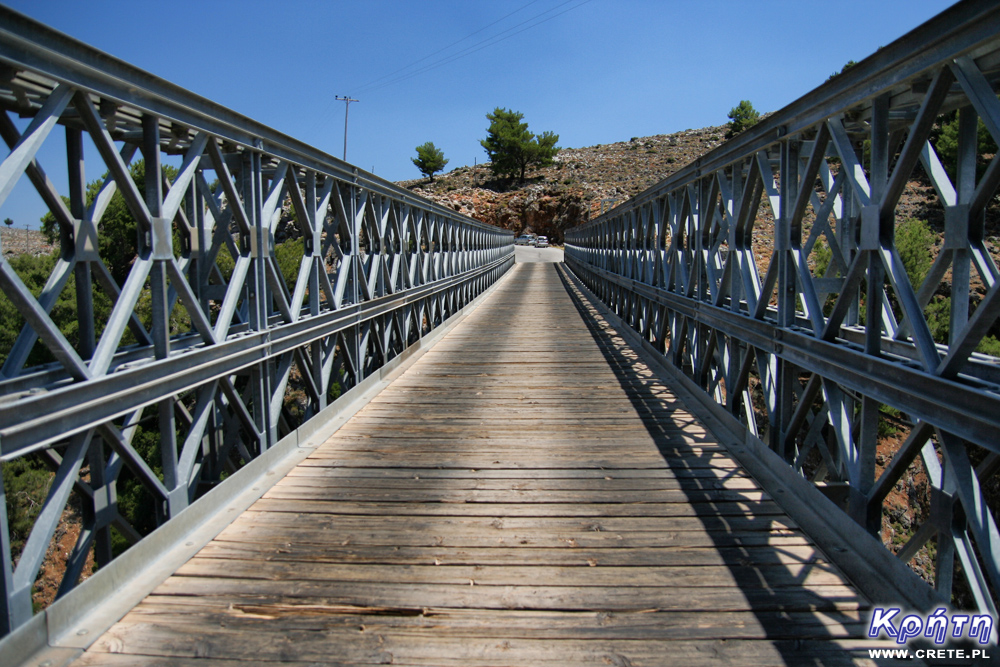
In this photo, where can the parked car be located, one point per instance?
(523, 239)
(542, 242)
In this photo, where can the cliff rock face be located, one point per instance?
(540, 208)
(581, 183)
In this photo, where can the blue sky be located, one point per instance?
(593, 71)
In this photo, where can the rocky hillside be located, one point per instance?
(573, 189)
(15, 241)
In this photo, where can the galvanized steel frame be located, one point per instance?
(678, 264)
(381, 267)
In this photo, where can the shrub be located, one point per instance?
(288, 256)
(914, 239)
(823, 256)
(848, 65)
(26, 483)
(946, 144)
(938, 313)
(743, 116)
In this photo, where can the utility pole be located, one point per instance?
(347, 107)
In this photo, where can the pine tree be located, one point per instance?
(743, 116)
(512, 148)
(429, 160)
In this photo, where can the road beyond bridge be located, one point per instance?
(528, 492)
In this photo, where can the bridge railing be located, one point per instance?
(776, 274)
(256, 280)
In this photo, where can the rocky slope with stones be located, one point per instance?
(574, 188)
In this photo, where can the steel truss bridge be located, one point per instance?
(242, 364)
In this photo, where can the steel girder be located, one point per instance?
(206, 336)
(716, 268)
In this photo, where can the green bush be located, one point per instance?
(34, 272)
(822, 255)
(135, 503)
(742, 117)
(887, 425)
(289, 258)
(914, 239)
(226, 264)
(946, 144)
(989, 345)
(26, 483)
(938, 313)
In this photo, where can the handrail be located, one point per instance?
(213, 347)
(793, 353)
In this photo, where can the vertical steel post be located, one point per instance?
(77, 207)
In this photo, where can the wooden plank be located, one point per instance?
(306, 493)
(794, 558)
(581, 475)
(612, 487)
(416, 594)
(504, 525)
(479, 461)
(553, 625)
(750, 510)
(680, 539)
(807, 576)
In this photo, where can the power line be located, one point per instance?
(445, 48)
(496, 39)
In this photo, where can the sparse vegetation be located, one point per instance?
(26, 482)
(946, 144)
(848, 65)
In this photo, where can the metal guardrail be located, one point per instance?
(198, 349)
(716, 269)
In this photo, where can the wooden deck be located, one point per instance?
(527, 493)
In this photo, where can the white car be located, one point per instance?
(542, 242)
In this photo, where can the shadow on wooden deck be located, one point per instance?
(771, 576)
